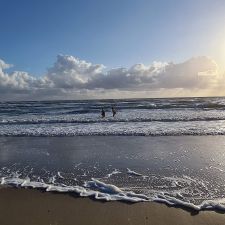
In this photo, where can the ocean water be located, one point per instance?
(142, 117)
(165, 150)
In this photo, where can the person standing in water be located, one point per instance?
(103, 113)
(113, 111)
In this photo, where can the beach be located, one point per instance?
(178, 171)
(34, 207)
(156, 162)
(112, 112)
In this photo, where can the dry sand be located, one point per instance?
(34, 207)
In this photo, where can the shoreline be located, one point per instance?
(22, 206)
(81, 154)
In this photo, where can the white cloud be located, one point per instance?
(4, 65)
(187, 74)
(70, 72)
(70, 77)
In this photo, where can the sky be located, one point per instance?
(78, 49)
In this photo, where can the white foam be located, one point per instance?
(95, 188)
(216, 168)
(149, 128)
(108, 188)
(177, 181)
(2, 180)
(109, 192)
(208, 204)
(131, 172)
(52, 179)
(114, 172)
(60, 175)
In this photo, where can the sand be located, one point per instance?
(34, 207)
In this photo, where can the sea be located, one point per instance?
(169, 150)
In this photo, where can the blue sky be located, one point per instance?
(114, 33)
(149, 48)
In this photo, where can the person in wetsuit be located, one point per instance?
(113, 111)
(103, 113)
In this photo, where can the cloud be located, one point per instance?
(196, 72)
(4, 65)
(71, 77)
(69, 72)
(19, 81)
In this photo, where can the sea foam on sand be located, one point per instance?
(109, 192)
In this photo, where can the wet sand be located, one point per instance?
(34, 207)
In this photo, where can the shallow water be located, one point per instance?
(184, 170)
